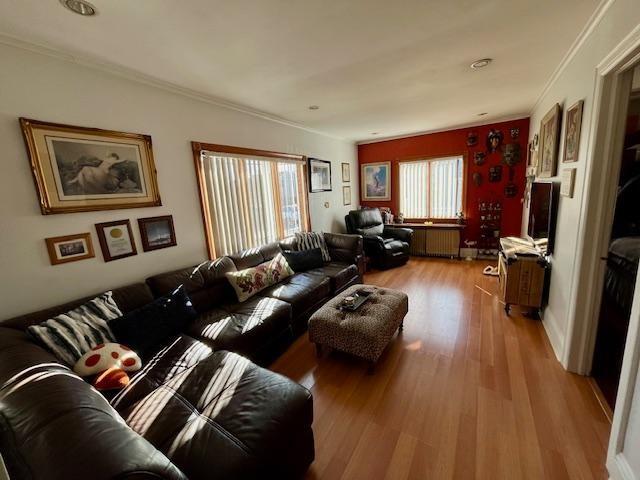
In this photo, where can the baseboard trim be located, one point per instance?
(555, 339)
(619, 468)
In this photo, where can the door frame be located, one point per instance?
(606, 139)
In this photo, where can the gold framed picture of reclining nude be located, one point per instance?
(79, 169)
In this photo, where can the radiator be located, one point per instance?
(436, 242)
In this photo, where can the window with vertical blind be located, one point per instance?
(432, 188)
(249, 197)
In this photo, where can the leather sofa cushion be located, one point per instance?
(225, 407)
(205, 284)
(340, 274)
(255, 256)
(302, 291)
(372, 230)
(244, 328)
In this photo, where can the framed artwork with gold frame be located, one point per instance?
(549, 142)
(69, 248)
(116, 240)
(79, 169)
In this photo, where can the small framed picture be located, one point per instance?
(157, 232)
(69, 248)
(319, 175)
(346, 172)
(116, 240)
(346, 195)
(568, 178)
(549, 140)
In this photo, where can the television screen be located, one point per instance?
(542, 212)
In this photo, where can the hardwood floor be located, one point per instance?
(464, 392)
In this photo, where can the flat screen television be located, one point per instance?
(542, 212)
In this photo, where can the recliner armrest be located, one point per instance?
(373, 244)
(404, 234)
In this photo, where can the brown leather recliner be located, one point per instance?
(386, 246)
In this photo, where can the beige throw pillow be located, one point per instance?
(250, 281)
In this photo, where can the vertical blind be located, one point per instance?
(251, 201)
(431, 188)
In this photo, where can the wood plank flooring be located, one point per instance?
(464, 392)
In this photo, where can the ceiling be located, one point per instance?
(370, 65)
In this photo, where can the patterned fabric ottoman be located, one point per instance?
(364, 332)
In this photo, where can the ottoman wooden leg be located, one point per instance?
(318, 350)
(401, 327)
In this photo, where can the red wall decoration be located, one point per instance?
(454, 142)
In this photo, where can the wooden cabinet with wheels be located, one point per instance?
(521, 280)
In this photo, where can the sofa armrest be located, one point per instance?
(344, 247)
(404, 234)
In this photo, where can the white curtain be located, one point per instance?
(431, 188)
(445, 187)
(414, 177)
(241, 200)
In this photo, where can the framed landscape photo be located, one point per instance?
(69, 248)
(157, 232)
(319, 175)
(346, 195)
(549, 139)
(572, 127)
(376, 181)
(116, 240)
(346, 172)
(78, 169)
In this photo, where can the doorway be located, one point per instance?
(622, 257)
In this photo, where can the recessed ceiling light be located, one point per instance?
(80, 7)
(313, 107)
(483, 62)
(482, 114)
(374, 133)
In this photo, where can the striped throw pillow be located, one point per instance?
(70, 335)
(310, 240)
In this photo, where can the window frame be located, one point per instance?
(422, 158)
(199, 147)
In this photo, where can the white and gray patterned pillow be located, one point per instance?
(70, 335)
(311, 240)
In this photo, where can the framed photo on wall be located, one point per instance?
(346, 172)
(69, 248)
(319, 175)
(346, 195)
(157, 232)
(78, 169)
(116, 240)
(572, 127)
(549, 140)
(376, 181)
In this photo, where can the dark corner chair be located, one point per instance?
(386, 246)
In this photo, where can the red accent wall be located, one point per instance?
(454, 142)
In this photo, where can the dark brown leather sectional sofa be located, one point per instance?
(200, 407)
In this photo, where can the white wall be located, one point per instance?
(576, 82)
(47, 88)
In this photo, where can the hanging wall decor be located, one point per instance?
(549, 140)
(477, 179)
(479, 158)
(510, 188)
(572, 132)
(514, 133)
(511, 154)
(472, 139)
(79, 169)
(494, 140)
(495, 173)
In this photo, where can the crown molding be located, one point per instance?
(586, 31)
(509, 118)
(134, 75)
